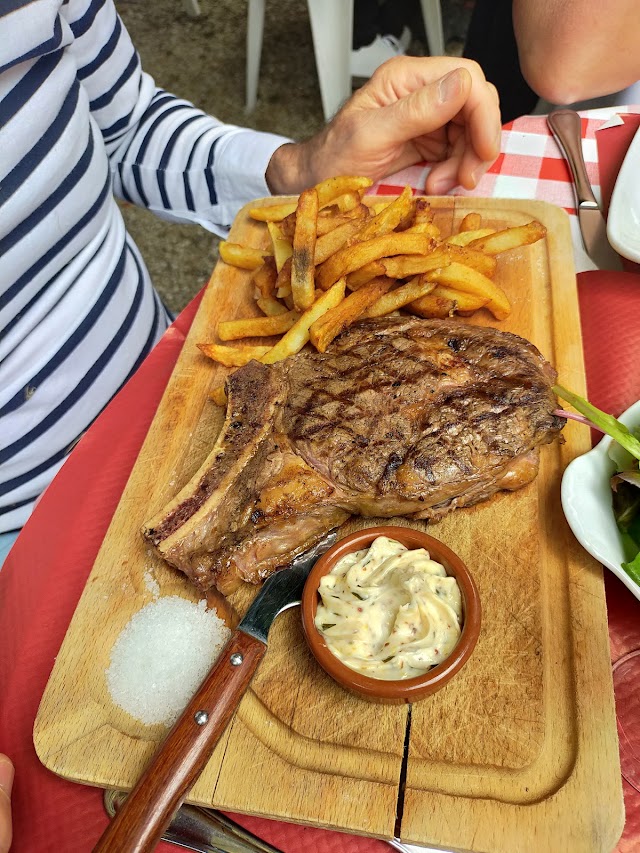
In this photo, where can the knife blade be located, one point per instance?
(567, 131)
(139, 824)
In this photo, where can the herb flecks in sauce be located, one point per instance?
(389, 612)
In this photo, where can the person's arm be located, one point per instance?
(573, 50)
(165, 154)
(172, 158)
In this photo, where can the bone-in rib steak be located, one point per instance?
(400, 416)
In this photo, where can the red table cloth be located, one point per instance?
(46, 570)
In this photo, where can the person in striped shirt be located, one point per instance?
(80, 124)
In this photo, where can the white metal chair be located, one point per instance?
(331, 29)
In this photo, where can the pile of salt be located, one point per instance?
(162, 656)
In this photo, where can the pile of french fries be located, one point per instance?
(335, 259)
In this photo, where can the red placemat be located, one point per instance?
(609, 311)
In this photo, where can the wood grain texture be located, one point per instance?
(518, 753)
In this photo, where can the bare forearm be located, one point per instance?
(571, 50)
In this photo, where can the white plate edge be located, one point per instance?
(625, 203)
(592, 461)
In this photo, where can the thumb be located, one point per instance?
(430, 107)
(6, 775)
(6, 784)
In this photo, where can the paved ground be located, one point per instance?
(203, 59)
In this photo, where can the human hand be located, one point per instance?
(6, 783)
(439, 109)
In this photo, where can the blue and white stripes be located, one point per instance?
(80, 121)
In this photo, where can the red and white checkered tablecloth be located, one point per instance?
(531, 165)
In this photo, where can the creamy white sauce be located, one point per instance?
(389, 612)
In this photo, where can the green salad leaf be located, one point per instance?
(625, 453)
(603, 421)
(633, 568)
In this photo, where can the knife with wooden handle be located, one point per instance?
(147, 811)
(567, 130)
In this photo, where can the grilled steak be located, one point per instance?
(400, 416)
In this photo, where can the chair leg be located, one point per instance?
(192, 8)
(432, 15)
(255, 27)
(332, 31)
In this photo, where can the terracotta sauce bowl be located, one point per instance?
(403, 690)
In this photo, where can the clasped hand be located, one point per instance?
(438, 109)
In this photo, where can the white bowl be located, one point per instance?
(586, 501)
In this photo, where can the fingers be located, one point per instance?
(417, 97)
(6, 784)
(412, 108)
(424, 110)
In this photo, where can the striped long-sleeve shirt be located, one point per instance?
(79, 122)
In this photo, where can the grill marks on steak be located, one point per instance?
(408, 414)
(401, 416)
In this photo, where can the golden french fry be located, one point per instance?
(403, 266)
(348, 201)
(471, 222)
(344, 207)
(464, 302)
(283, 281)
(232, 356)
(389, 218)
(423, 212)
(378, 206)
(241, 256)
(288, 226)
(466, 237)
(486, 264)
(272, 212)
(219, 396)
(336, 320)
(401, 296)
(328, 221)
(433, 305)
(459, 277)
(282, 247)
(231, 330)
(428, 228)
(298, 334)
(270, 306)
(304, 246)
(331, 189)
(352, 258)
(356, 279)
(330, 211)
(264, 278)
(330, 242)
(510, 238)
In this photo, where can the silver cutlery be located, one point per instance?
(567, 131)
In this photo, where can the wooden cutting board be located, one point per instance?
(518, 753)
